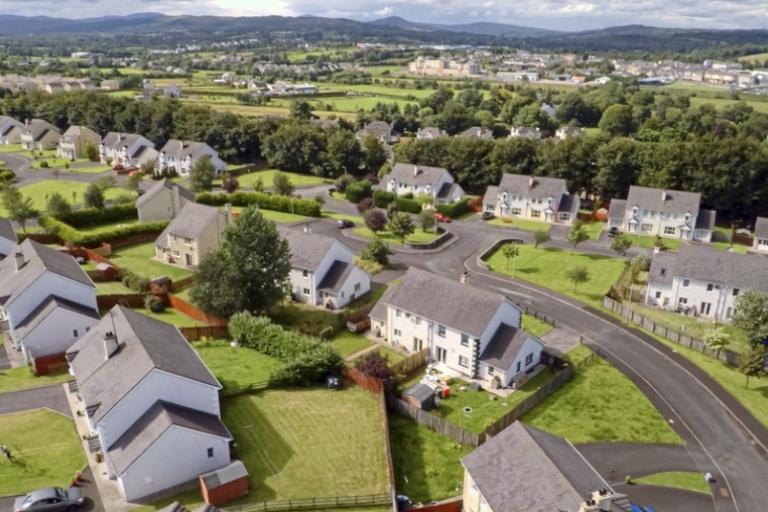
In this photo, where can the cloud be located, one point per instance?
(384, 11)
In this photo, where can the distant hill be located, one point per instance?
(478, 28)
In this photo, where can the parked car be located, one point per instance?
(439, 217)
(49, 499)
(613, 232)
(488, 216)
(344, 223)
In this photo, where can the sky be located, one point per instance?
(553, 14)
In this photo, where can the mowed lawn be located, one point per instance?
(71, 190)
(686, 480)
(600, 404)
(549, 268)
(427, 464)
(46, 449)
(267, 178)
(278, 217)
(417, 237)
(347, 343)
(15, 379)
(171, 316)
(303, 443)
(139, 259)
(236, 367)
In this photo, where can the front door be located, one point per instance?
(417, 344)
(706, 307)
(188, 260)
(441, 354)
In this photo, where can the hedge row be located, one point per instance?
(455, 209)
(274, 202)
(357, 190)
(405, 204)
(382, 198)
(72, 235)
(307, 359)
(94, 216)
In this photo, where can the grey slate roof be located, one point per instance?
(430, 131)
(448, 189)
(476, 131)
(379, 129)
(153, 424)
(37, 259)
(116, 140)
(6, 123)
(541, 188)
(164, 184)
(664, 201)
(504, 346)
(191, 222)
(706, 219)
(523, 469)
(145, 344)
(72, 133)
(491, 195)
(418, 175)
(307, 249)
(38, 128)
(45, 308)
(184, 148)
(463, 307)
(335, 277)
(705, 263)
(761, 227)
(617, 209)
(7, 231)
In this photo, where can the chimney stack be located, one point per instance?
(19, 257)
(664, 196)
(110, 344)
(531, 182)
(415, 170)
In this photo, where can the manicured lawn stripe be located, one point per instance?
(16, 379)
(170, 316)
(236, 367)
(139, 259)
(347, 343)
(522, 224)
(418, 236)
(688, 481)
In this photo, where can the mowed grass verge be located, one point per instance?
(46, 450)
(16, 379)
(549, 268)
(688, 481)
(267, 178)
(303, 443)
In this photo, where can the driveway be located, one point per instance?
(666, 499)
(52, 397)
(87, 487)
(614, 461)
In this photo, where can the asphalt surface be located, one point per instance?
(665, 499)
(615, 461)
(52, 397)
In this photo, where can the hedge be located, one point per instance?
(88, 217)
(404, 204)
(72, 235)
(358, 190)
(307, 359)
(308, 207)
(382, 198)
(455, 209)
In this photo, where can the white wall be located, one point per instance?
(157, 385)
(721, 298)
(760, 245)
(347, 292)
(655, 223)
(56, 333)
(178, 456)
(45, 285)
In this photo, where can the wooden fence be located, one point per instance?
(449, 505)
(410, 363)
(193, 312)
(333, 502)
(371, 384)
(725, 355)
(131, 300)
(198, 332)
(436, 423)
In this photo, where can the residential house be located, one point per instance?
(379, 130)
(429, 133)
(532, 197)
(760, 243)
(163, 201)
(126, 149)
(703, 281)
(477, 132)
(39, 135)
(523, 469)
(53, 87)
(525, 132)
(178, 156)
(567, 132)
(665, 213)
(10, 130)
(419, 180)
(47, 301)
(194, 232)
(469, 332)
(75, 140)
(323, 270)
(152, 404)
(110, 85)
(8, 238)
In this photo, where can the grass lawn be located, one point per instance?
(418, 236)
(594, 229)
(688, 481)
(236, 367)
(347, 343)
(548, 268)
(726, 246)
(427, 464)
(522, 224)
(91, 168)
(267, 177)
(393, 356)
(535, 326)
(112, 288)
(46, 448)
(693, 326)
(278, 217)
(649, 242)
(11, 148)
(600, 404)
(357, 219)
(304, 318)
(71, 190)
(107, 227)
(291, 443)
(171, 316)
(15, 379)
(139, 259)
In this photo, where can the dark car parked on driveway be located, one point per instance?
(613, 232)
(488, 216)
(49, 499)
(344, 223)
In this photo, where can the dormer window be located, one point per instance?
(504, 197)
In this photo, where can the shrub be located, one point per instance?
(357, 190)
(370, 267)
(44, 164)
(154, 304)
(375, 220)
(382, 198)
(73, 236)
(642, 262)
(88, 217)
(135, 282)
(455, 209)
(273, 202)
(376, 366)
(343, 182)
(58, 206)
(306, 359)
(365, 205)
(376, 251)
(405, 204)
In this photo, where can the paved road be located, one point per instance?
(615, 461)
(52, 397)
(665, 499)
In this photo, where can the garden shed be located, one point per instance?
(224, 484)
(420, 395)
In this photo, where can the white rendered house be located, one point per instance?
(8, 239)
(10, 130)
(760, 243)
(532, 197)
(418, 180)
(126, 149)
(180, 156)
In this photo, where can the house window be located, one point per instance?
(686, 282)
(397, 332)
(306, 291)
(646, 228)
(710, 287)
(662, 272)
(735, 292)
(398, 313)
(464, 340)
(669, 230)
(529, 359)
(305, 273)
(490, 370)
(516, 211)
(357, 287)
(535, 214)
(658, 295)
(518, 367)
(565, 216)
(682, 300)
(762, 241)
(74, 333)
(463, 361)
(441, 331)
(210, 453)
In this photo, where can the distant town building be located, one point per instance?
(444, 67)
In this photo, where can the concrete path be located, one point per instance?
(560, 341)
(52, 397)
(665, 499)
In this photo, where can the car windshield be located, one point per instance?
(61, 493)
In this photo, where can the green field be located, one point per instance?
(278, 217)
(548, 268)
(236, 367)
(600, 404)
(71, 190)
(687, 481)
(15, 379)
(139, 259)
(267, 179)
(11, 148)
(757, 58)
(112, 288)
(720, 103)
(46, 451)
